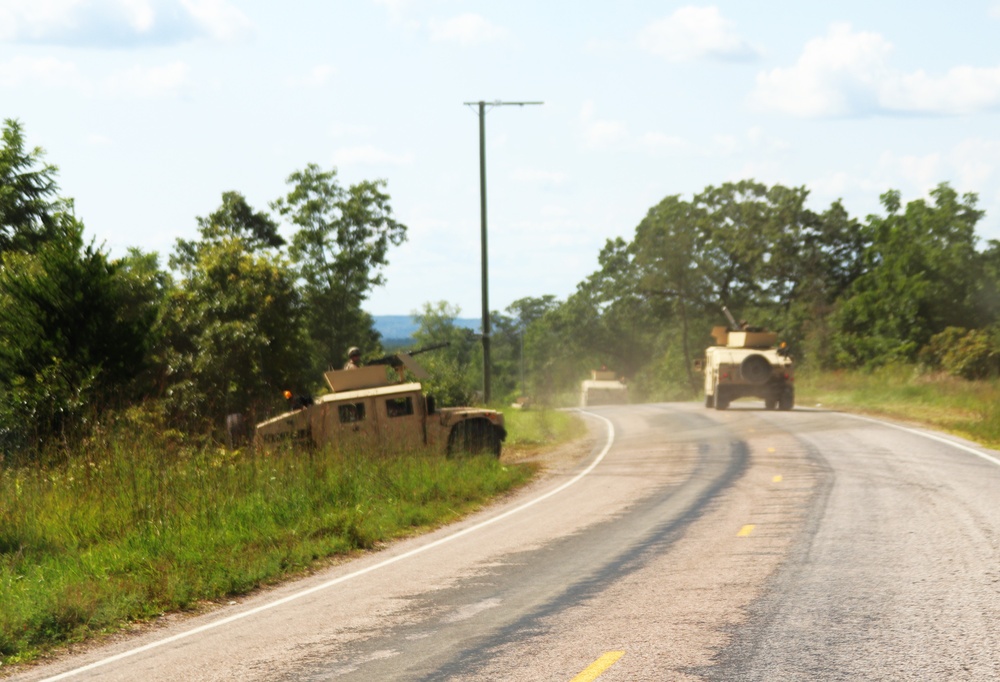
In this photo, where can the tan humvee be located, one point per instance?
(603, 388)
(370, 407)
(747, 363)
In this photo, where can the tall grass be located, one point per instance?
(967, 408)
(128, 526)
(532, 428)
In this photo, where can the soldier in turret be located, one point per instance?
(353, 358)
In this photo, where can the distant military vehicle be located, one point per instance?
(372, 406)
(603, 388)
(747, 362)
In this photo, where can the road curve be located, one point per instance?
(682, 543)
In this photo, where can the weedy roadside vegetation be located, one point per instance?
(135, 523)
(967, 408)
(531, 429)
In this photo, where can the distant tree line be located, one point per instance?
(241, 313)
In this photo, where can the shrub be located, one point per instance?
(966, 353)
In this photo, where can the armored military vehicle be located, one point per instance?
(603, 388)
(747, 362)
(373, 406)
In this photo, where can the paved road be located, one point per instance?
(682, 543)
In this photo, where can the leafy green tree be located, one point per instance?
(234, 219)
(456, 370)
(735, 238)
(831, 257)
(648, 310)
(511, 350)
(606, 322)
(233, 324)
(27, 194)
(988, 295)
(143, 290)
(340, 249)
(750, 244)
(922, 275)
(667, 257)
(75, 337)
(77, 328)
(754, 248)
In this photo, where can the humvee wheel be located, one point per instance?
(473, 437)
(770, 403)
(787, 399)
(721, 398)
(709, 400)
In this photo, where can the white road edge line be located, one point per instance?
(925, 434)
(349, 576)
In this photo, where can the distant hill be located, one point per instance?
(399, 329)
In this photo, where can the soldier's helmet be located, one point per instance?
(352, 351)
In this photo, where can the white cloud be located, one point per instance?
(695, 33)
(396, 8)
(55, 74)
(835, 76)
(149, 82)
(725, 145)
(923, 172)
(219, 19)
(976, 162)
(115, 23)
(466, 30)
(600, 133)
(316, 77)
(969, 166)
(962, 90)
(45, 72)
(847, 73)
(656, 142)
(369, 155)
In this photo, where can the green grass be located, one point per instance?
(970, 409)
(126, 528)
(531, 428)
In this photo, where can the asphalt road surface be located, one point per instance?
(677, 543)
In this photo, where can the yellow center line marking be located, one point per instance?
(746, 530)
(777, 479)
(597, 668)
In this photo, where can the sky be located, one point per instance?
(151, 109)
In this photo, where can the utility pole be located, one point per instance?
(482, 230)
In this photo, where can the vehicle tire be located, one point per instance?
(755, 369)
(709, 400)
(474, 437)
(787, 399)
(721, 398)
(770, 403)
